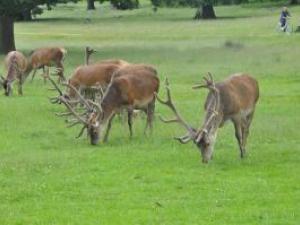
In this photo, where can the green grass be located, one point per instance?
(49, 177)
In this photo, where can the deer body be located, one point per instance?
(17, 69)
(132, 87)
(88, 76)
(233, 99)
(48, 57)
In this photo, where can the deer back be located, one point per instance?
(92, 75)
(133, 85)
(47, 56)
(238, 93)
(118, 62)
(18, 58)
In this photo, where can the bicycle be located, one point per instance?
(287, 28)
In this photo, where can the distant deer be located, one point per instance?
(48, 57)
(232, 99)
(17, 69)
(132, 87)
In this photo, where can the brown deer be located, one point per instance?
(232, 99)
(89, 76)
(17, 69)
(131, 87)
(48, 57)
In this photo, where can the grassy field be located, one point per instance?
(47, 177)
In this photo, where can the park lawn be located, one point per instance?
(47, 177)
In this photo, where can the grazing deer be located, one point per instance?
(232, 99)
(49, 57)
(131, 87)
(89, 76)
(17, 69)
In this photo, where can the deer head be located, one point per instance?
(201, 136)
(13, 72)
(6, 85)
(88, 116)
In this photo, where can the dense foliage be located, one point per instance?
(15, 7)
(123, 4)
(194, 3)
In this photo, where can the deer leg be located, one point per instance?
(46, 74)
(239, 135)
(150, 116)
(20, 83)
(60, 73)
(108, 128)
(43, 71)
(130, 114)
(247, 123)
(33, 75)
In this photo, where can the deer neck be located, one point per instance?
(109, 104)
(107, 113)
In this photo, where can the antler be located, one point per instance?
(88, 52)
(209, 84)
(191, 132)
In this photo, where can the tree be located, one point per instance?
(91, 5)
(205, 9)
(10, 10)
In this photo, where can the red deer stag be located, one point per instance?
(233, 99)
(17, 69)
(132, 87)
(49, 57)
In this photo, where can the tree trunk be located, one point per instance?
(91, 5)
(205, 12)
(7, 38)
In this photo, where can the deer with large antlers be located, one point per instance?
(232, 99)
(48, 57)
(131, 87)
(17, 69)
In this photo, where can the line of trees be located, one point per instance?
(118, 4)
(11, 10)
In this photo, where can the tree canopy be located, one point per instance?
(16, 9)
(13, 8)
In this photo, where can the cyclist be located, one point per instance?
(283, 17)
